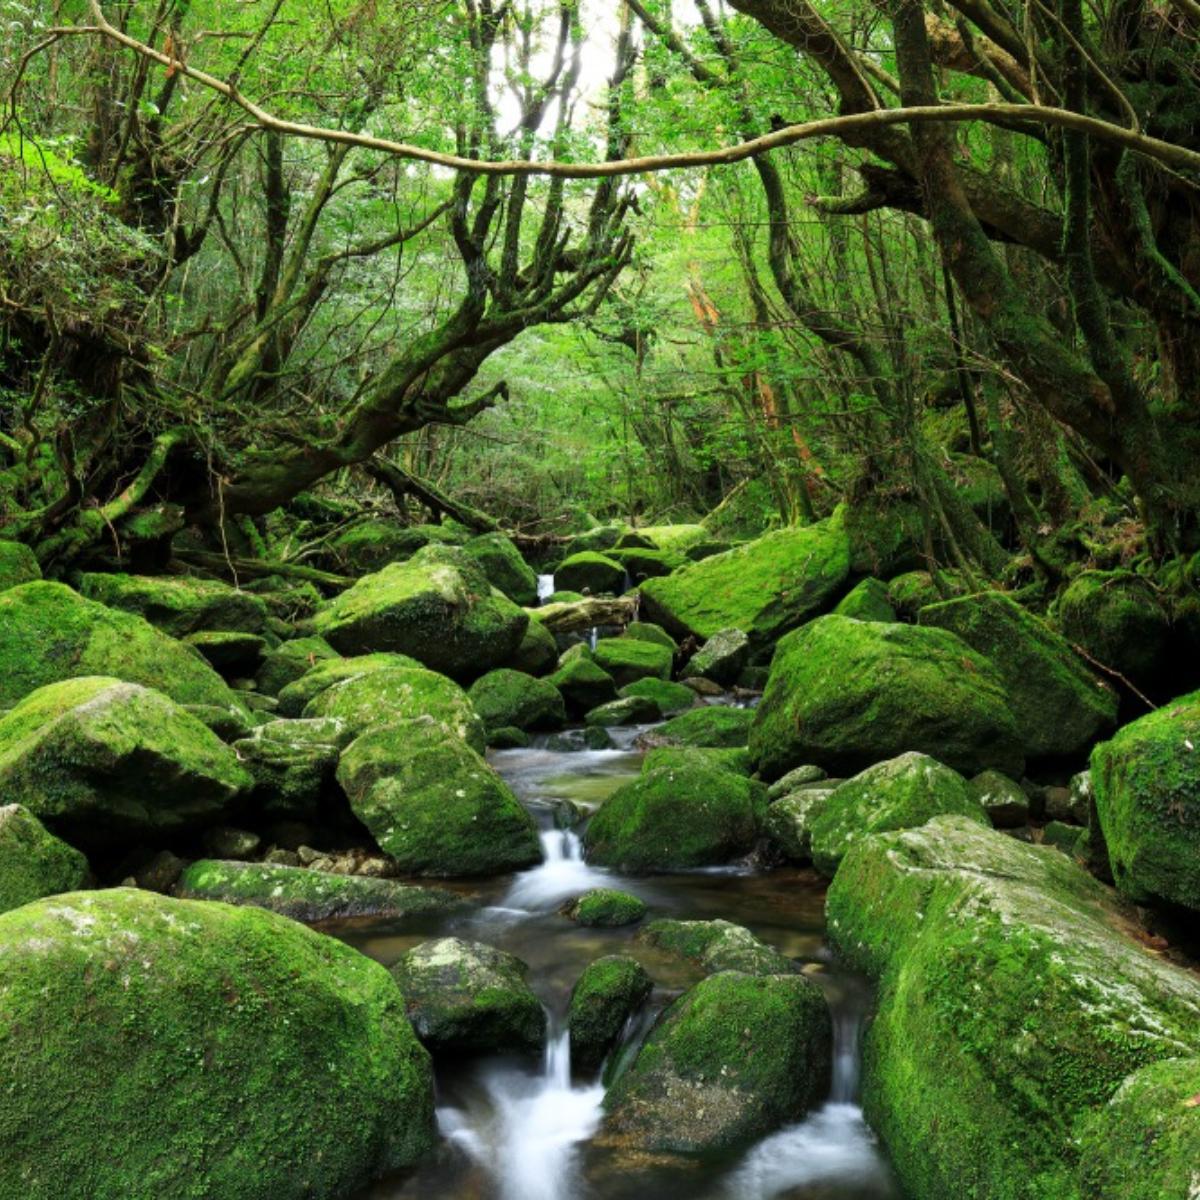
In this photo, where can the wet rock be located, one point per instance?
(605, 908)
(33, 862)
(605, 996)
(631, 710)
(508, 737)
(715, 946)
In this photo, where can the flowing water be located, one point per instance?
(520, 1130)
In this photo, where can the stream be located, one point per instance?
(519, 1130)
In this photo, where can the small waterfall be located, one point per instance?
(545, 588)
(593, 637)
(562, 875)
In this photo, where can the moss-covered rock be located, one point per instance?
(647, 631)
(538, 652)
(912, 591)
(510, 698)
(712, 725)
(1119, 620)
(796, 778)
(599, 537)
(721, 658)
(48, 633)
(372, 544)
(715, 946)
(845, 694)
(229, 653)
(630, 659)
(17, 565)
(899, 794)
(722, 758)
(642, 563)
(675, 538)
(1144, 1144)
(1060, 706)
(433, 804)
(290, 661)
(564, 596)
(99, 760)
(177, 604)
(590, 572)
(607, 993)
(671, 698)
(437, 607)
(629, 710)
(364, 701)
(504, 567)
(1005, 802)
(229, 1052)
(789, 821)
(469, 998)
(583, 684)
(605, 908)
(691, 816)
(1146, 784)
(292, 763)
(763, 588)
(732, 1059)
(311, 896)
(1013, 1002)
(33, 862)
(867, 601)
(294, 697)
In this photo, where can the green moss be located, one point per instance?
(732, 1059)
(604, 997)
(630, 710)
(671, 538)
(230, 1052)
(867, 601)
(17, 565)
(599, 537)
(642, 564)
(1116, 617)
(177, 604)
(606, 908)
(671, 698)
(711, 725)
(505, 568)
(370, 545)
(715, 946)
(584, 685)
(912, 591)
(510, 698)
(723, 758)
(722, 658)
(290, 661)
(295, 696)
(538, 652)
(691, 816)
(1146, 784)
(790, 819)
(33, 862)
(647, 631)
(845, 694)
(630, 659)
(590, 572)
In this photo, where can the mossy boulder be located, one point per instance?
(371, 545)
(647, 631)
(721, 758)
(294, 697)
(1013, 1002)
(676, 538)
(1005, 802)
(690, 816)
(899, 794)
(364, 701)
(1144, 1144)
(510, 698)
(229, 653)
(48, 633)
(846, 694)
(715, 946)
(608, 992)
(306, 895)
(229, 1052)
(867, 601)
(721, 658)
(584, 685)
(1146, 788)
(912, 591)
(17, 565)
(642, 563)
(33, 862)
(717, 726)
(731, 1060)
(788, 823)
(504, 567)
(763, 588)
(630, 659)
(538, 652)
(437, 607)
(590, 572)
(671, 698)
(99, 760)
(796, 778)
(433, 804)
(1119, 620)
(604, 908)
(1060, 706)
(598, 537)
(289, 661)
(469, 998)
(629, 710)
(292, 763)
(177, 604)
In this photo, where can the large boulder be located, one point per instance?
(538, 652)
(1013, 1002)
(506, 698)
(433, 804)
(1061, 708)
(153, 1047)
(721, 658)
(470, 998)
(177, 604)
(292, 763)
(715, 946)
(48, 633)
(99, 760)
(371, 544)
(583, 684)
(688, 816)
(763, 588)
(312, 896)
(591, 572)
(845, 694)
(731, 1060)
(17, 565)
(437, 607)
(295, 696)
(718, 726)
(678, 539)
(504, 567)
(1146, 788)
(867, 601)
(290, 661)
(608, 992)
(630, 659)
(640, 563)
(33, 862)
(899, 794)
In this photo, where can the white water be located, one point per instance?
(562, 875)
(545, 587)
(527, 1139)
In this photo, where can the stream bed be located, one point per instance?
(519, 1130)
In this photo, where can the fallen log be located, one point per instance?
(257, 568)
(586, 614)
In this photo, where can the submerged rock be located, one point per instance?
(846, 694)
(716, 946)
(469, 998)
(731, 1060)
(229, 1052)
(33, 862)
(630, 659)
(605, 908)
(1013, 1002)
(178, 604)
(605, 996)
(509, 698)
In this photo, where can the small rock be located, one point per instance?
(224, 841)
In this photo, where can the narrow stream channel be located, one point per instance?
(518, 1130)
